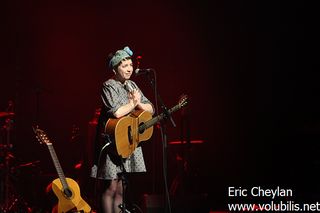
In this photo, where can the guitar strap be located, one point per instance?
(107, 141)
(102, 141)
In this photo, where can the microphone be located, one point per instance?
(142, 71)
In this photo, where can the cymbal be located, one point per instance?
(6, 114)
(33, 163)
(185, 142)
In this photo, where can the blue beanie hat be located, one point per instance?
(119, 56)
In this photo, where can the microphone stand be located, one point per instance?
(163, 136)
(124, 180)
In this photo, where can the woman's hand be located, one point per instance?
(135, 98)
(135, 101)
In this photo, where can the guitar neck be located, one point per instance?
(158, 118)
(57, 166)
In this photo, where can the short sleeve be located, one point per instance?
(110, 98)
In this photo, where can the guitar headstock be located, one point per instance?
(41, 135)
(183, 101)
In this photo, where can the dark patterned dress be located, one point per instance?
(106, 163)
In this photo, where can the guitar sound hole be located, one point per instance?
(67, 192)
(129, 134)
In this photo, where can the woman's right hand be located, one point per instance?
(135, 98)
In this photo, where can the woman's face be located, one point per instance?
(124, 70)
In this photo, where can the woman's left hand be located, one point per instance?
(136, 96)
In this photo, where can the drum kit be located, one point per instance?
(10, 201)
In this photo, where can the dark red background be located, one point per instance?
(250, 70)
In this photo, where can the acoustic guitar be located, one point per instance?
(130, 130)
(66, 189)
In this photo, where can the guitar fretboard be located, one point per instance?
(160, 117)
(57, 166)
